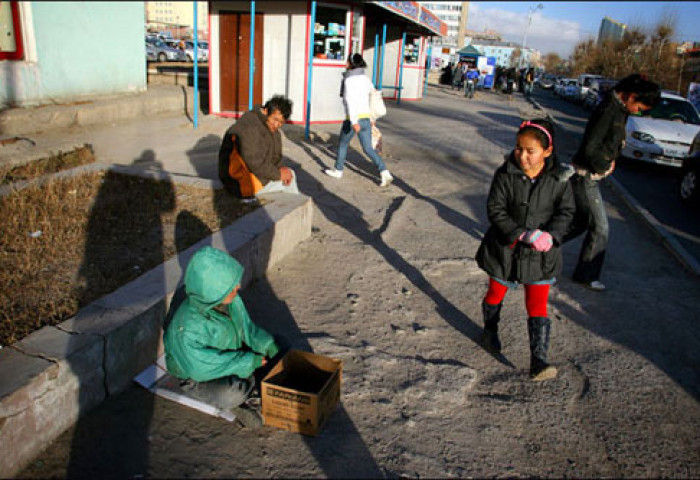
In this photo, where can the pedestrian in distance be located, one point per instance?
(470, 80)
(602, 142)
(355, 90)
(530, 208)
(250, 155)
(211, 344)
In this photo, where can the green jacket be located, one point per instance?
(203, 344)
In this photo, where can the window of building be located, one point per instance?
(411, 50)
(357, 32)
(330, 33)
(11, 47)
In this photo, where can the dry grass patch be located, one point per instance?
(71, 241)
(55, 163)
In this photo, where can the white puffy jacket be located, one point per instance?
(356, 97)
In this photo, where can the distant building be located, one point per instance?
(455, 16)
(177, 18)
(503, 52)
(610, 30)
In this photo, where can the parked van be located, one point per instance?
(584, 82)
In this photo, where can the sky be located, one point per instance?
(559, 26)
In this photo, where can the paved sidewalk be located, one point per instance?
(388, 284)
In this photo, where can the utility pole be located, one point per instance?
(530, 11)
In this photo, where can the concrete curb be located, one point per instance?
(667, 239)
(58, 373)
(94, 111)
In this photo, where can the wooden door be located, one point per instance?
(234, 60)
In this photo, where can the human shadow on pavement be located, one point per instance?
(339, 445)
(118, 234)
(339, 449)
(647, 307)
(351, 219)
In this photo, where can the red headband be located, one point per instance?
(528, 123)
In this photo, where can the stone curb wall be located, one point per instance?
(56, 374)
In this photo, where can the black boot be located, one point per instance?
(538, 330)
(489, 339)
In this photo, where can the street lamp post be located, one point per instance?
(530, 11)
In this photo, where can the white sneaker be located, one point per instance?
(334, 173)
(386, 178)
(596, 285)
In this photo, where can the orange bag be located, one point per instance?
(248, 182)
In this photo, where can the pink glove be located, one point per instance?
(539, 240)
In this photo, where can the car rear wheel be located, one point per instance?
(162, 57)
(689, 186)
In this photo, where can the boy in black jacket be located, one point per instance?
(595, 159)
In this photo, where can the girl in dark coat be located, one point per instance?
(530, 207)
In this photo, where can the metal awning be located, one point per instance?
(416, 14)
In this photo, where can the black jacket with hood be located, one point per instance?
(516, 204)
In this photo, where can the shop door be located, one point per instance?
(234, 63)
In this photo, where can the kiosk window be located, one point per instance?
(356, 32)
(329, 33)
(411, 49)
(10, 32)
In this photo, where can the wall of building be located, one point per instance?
(75, 49)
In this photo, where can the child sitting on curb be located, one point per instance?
(211, 344)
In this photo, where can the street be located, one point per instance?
(654, 186)
(388, 283)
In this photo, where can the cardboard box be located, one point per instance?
(301, 392)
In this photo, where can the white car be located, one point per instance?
(663, 134)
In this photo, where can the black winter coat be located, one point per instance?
(515, 205)
(602, 140)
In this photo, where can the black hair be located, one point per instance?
(646, 91)
(356, 61)
(281, 103)
(537, 131)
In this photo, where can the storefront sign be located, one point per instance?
(417, 13)
(407, 8)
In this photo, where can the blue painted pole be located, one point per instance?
(428, 64)
(310, 74)
(381, 60)
(376, 57)
(403, 47)
(251, 67)
(196, 68)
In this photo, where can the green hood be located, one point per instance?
(210, 277)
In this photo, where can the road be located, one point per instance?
(654, 186)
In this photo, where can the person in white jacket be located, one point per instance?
(355, 90)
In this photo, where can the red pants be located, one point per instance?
(535, 297)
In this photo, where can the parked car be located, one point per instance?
(689, 185)
(570, 90)
(166, 53)
(663, 134)
(599, 88)
(584, 82)
(151, 54)
(561, 84)
(202, 51)
(546, 82)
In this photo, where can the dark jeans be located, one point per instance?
(592, 219)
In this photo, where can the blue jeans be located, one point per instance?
(346, 134)
(592, 219)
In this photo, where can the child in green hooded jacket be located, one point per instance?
(211, 343)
